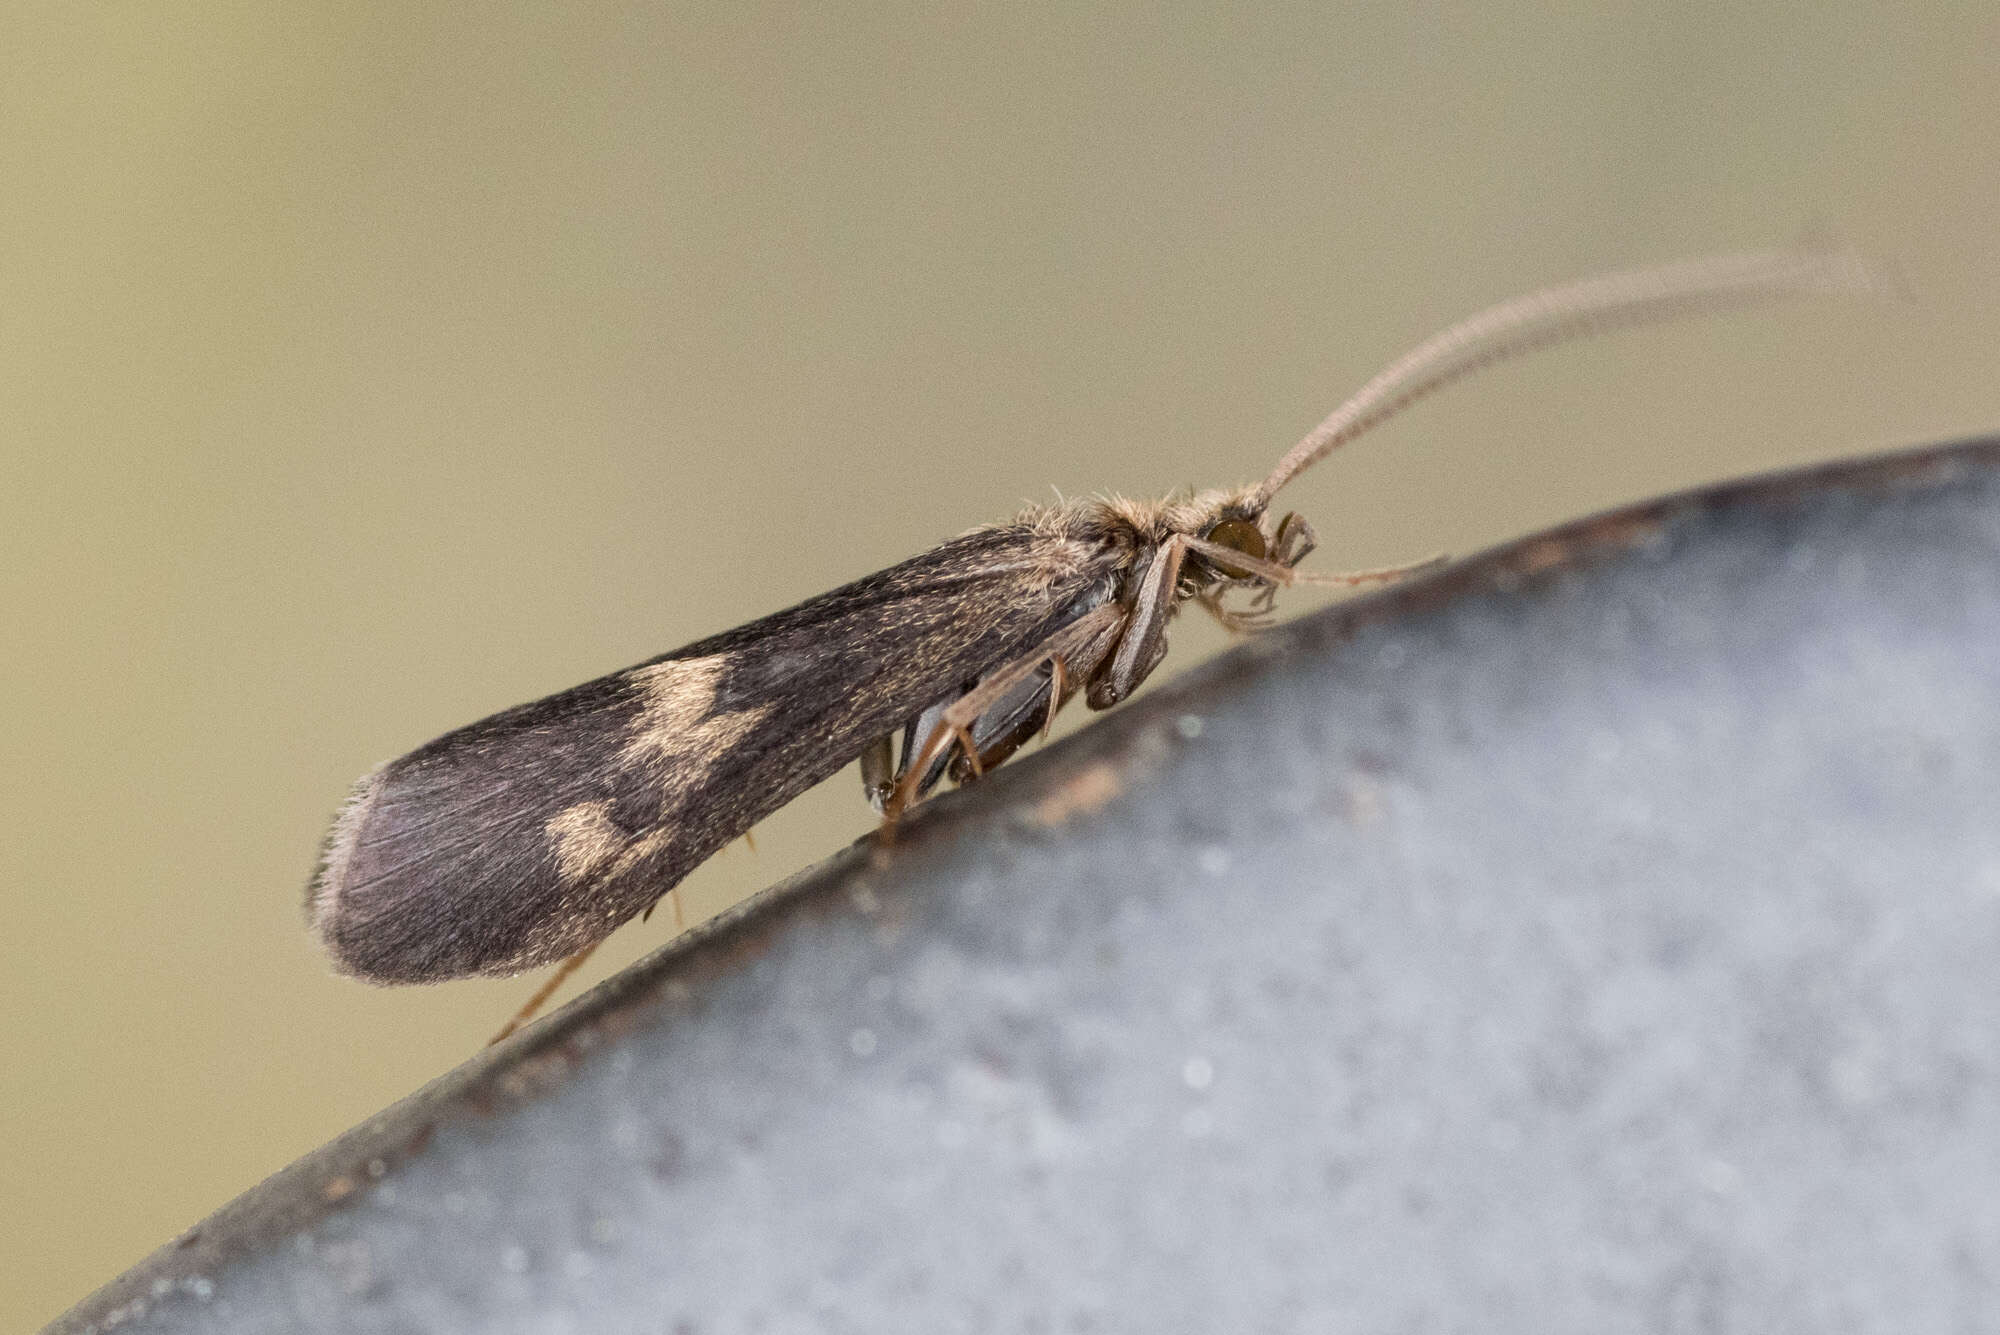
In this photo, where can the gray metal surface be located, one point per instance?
(1598, 936)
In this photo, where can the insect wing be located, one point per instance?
(517, 840)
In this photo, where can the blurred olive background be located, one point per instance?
(370, 367)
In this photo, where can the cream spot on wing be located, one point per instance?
(654, 841)
(584, 838)
(677, 736)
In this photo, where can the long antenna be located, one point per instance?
(1575, 310)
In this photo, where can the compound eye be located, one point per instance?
(1239, 535)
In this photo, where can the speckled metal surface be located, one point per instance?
(1597, 936)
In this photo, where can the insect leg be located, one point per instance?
(1059, 689)
(545, 991)
(1010, 725)
(1089, 635)
(878, 770)
(1294, 541)
(942, 737)
(1145, 640)
(1275, 573)
(1238, 623)
(1348, 579)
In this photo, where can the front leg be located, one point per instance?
(1294, 540)
(1274, 573)
(1145, 640)
(1292, 543)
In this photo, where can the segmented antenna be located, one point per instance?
(1576, 310)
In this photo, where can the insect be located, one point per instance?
(527, 837)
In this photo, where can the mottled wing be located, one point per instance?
(522, 838)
